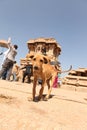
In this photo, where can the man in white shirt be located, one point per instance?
(9, 59)
(5, 56)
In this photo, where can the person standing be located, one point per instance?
(5, 56)
(27, 72)
(9, 59)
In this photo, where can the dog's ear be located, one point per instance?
(45, 60)
(29, 56)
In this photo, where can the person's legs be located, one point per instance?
(4, 75)
(5, 67)
(29, 78)
(9, 73)
(24, 75)
(3, 72)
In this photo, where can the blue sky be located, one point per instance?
(64, 20)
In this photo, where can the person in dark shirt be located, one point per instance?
(27, 72)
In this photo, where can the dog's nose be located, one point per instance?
(35, 67)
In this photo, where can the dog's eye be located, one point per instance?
(41, 60)
(34, 59)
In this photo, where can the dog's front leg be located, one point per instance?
(49, 89)
(41, 91)
(34, 89)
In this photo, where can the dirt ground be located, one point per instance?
(65, 110)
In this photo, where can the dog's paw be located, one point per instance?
(35, 100)
(45, 99)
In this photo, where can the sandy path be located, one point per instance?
(66, 110)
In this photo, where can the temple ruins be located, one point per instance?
(75, 79)
(46, 46)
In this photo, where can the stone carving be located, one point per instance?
(3, 43)
(76, 78)
(48, 46)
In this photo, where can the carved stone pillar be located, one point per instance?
(38, 48)
(51, 49)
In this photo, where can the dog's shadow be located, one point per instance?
(44, 98)
(44, 95)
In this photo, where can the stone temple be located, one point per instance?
(47, 46)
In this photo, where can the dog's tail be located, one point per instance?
(65, 71)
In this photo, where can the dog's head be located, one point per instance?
(38, 61)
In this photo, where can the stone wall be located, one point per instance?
(76, 78)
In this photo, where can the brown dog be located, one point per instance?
(44, 71)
